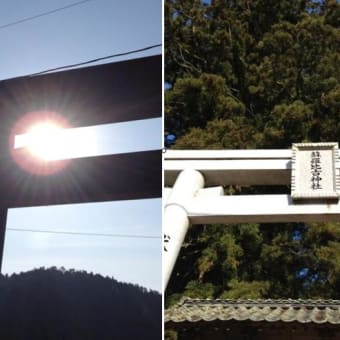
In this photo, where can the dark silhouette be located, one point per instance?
(61, 304)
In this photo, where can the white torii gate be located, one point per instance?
(194, 192)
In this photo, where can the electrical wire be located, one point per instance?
(95, 60)
(85, 234)
(84, 62)
(43, 14)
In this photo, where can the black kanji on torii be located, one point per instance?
(166, 240)
(316, 170)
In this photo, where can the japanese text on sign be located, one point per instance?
(316, 170)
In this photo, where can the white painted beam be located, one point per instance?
(258, 208)
(188, 202)
(207, 193)
(227, 172)
(204, 192)
(232, 167)
(228, 154)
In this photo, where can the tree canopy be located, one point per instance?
(254, 74)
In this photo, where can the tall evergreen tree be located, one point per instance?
(254, 74)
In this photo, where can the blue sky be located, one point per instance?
(94, 29)
(91, 30)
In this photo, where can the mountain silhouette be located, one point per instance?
(59, 304)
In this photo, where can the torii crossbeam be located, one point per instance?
(194, 181)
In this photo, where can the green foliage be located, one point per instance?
(254, 74)
(253, 63)
(220, 134)
(194, 100)
(245, 290)
(170, 334)
(196, 289)
(288, 123)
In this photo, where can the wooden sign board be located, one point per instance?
(314, 171)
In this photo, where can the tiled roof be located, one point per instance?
(302, 311)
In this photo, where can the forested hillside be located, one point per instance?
(254, 74)
(57, 304)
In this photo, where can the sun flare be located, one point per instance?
(44, 141)
(48, 141)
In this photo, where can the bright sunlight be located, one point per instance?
(48, 141)
(43, 141)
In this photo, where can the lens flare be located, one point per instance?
(37, 141)
(43, 141)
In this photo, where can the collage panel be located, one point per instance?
(251, 217)
(81, 169)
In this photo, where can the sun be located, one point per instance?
(37, 142)
(49, 141)
(43, 141)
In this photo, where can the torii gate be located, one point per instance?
(118, 92)
(197, 196)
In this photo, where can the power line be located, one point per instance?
(95, 60)
(85, 234)
(85, 62)
(43, 14)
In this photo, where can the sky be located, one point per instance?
(93, 29)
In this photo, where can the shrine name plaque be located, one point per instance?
(314, 174)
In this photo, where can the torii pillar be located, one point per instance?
(176, 221)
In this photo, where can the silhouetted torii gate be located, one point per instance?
(109, 93)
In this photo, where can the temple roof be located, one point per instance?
(302, 311)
